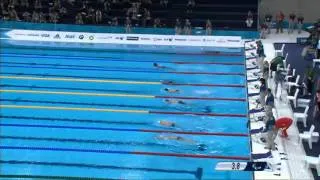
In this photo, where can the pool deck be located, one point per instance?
(294, 167)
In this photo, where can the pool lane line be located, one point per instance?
(116, 110)
(59, 103)
(131, 71)
(76, 66)
(42, 177)
(124, 130)
(209, 73)
(76, 93)
(124, 60)
(198, 114)
(72, 76)
(25, 118)
(80, 80)
(209, 63)
(97, 166)
(86, 141)
(115, 81)
(117, 95)
(67, 88)
(92, 58)
(103, 151)
(103, 67)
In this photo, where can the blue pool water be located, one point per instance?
(78, 113)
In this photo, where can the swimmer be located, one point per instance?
(174, 101)
(156, 65)
(167, 123)
(171, 90)
(200, 147)
(167, 82)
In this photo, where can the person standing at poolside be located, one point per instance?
(280, 19)
(263, 91)
(292, 18)
(208, 27)
(269, 101)
(300, 23)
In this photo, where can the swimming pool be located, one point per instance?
(68, 112)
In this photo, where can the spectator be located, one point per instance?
(208, 27)
(178, 27)
(26, 16)
(56, 4)
(164, 3)
(300, 23)
(37, 4)
(128, 25)
(79, 19)
(35, 17)
(268, 20)
(91, 16)
(42, 17)
(280, 19)
(263, 31)
(54, 16)
(249, 20)
(114, 21)
(292, 18)
(24, 4)
(146, 18)
(13, 3)
(98, 16)
(187, 27)
(190, 5)
(106, 6)
(13, 14)
(156, 23)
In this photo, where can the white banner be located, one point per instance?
(141, 39)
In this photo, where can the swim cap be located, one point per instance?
(202, 147)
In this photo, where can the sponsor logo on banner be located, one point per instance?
(57, 36)
(179, 39)
(132, 38)
(105, 37)
(167, 39)
(81, 36)
(157, 39)
(195, 40)
(209, 40)
(119, 38)
(221, 41)
(229, 40)
(32, 34)
(91, 37)
(45, 35)
(70, 36)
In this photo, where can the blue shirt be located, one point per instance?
(263, 88)
(270, 100)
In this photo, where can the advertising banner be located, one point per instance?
(139, 39)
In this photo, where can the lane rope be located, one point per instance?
(103, 151)
(117, 110)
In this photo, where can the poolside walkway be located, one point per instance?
(294, 167)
